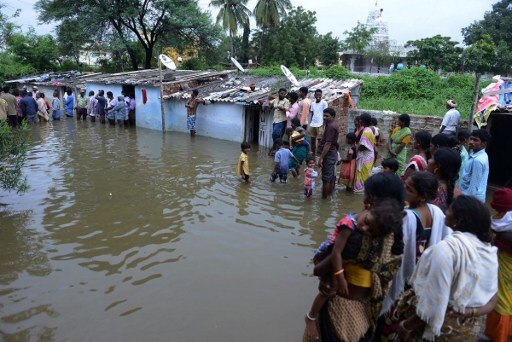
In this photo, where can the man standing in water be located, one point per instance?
(281, 105)
(101, 105)
(191, 106)
(315, 128)
(81, 105)
(328, 153)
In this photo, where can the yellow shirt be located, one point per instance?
(243, 165)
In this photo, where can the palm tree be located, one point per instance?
(233, 14)
(268, 13)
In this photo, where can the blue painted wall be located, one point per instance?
(148, 114)
(220, 120)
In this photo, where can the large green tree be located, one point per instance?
(328, 48)
(233, 15)
(38, 51)
(293, 43)
(379, 54)
(268, 14)
(146, 21)
(357, 40)
(437, 53)
(497, 24)
(479, 57)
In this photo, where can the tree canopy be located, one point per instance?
(146, 21)
(436, 53)
(359, 38)
(294, 42)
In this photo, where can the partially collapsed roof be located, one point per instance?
(236, 88)
(218, 86)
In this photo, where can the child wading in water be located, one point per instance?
(343, 250)
(309, 177)
(242, 169)
(281, 159)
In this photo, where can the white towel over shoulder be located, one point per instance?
(460, 271)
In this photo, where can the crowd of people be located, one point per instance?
(424, 259)
(17, 106)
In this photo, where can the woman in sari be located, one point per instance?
(365, 153)
(423, 226)
(453, 280)
(358, 128)
(499, 321)
(400, 138)
(419, 161)
(369, 262)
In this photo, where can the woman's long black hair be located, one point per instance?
(472, 216)
(449, 162)
(423, 138)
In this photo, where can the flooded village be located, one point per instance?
(257, 198)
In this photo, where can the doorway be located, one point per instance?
(252, 124)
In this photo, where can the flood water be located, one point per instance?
(132, 235)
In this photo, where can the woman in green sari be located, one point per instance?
(400, 138)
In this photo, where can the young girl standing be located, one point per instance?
(310, 176)
(348, 165)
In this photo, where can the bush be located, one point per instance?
(14, 143)
(406, 84)
(338, 72)
(195, 64)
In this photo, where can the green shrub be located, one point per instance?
(338, 72)
(195, 64)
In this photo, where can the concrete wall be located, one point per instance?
(220, 120)
(388, 120)
(149, 114)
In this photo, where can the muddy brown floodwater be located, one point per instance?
(131, 235)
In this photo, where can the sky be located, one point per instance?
(407, 19)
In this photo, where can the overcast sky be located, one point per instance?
(407, 19)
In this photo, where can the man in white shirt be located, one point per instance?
(316, 124)
(451, 119)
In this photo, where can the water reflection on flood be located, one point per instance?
(132, 235)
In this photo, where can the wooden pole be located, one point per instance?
(161, 95)
(475, 100)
